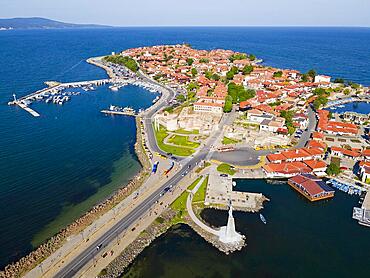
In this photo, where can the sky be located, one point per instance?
(195, 12)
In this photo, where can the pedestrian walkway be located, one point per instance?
(192, 215)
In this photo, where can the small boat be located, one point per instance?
(263, 219)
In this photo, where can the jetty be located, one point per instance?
(363, 214)
(347, 100)
(28, 109)
(56, 93)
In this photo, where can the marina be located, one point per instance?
(350, 189)
(339, 103)
(57, 93)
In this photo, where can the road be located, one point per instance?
(70, 269)
(246, 156)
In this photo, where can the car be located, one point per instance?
(166, 189)
(224, 175)
(99, 246)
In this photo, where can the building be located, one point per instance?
(311, 187)
(272, 125)
(257, 116)
(322, 79)
(209, 105)
(364, 171)
(285, 169)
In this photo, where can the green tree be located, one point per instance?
(208, 74)
(304, 77)
(204, 60)
(353, 85)
(230, 74)
(346, 91)
(215, 77)
(194, 72)
(193, 86)
(228, 104)
(311, 73)
(247, 69)
(278, 74)
(237, 56)
(126, 61)
(339, 80)
(333, 169)
(252, 57)
(189, 61)
(238, 93)
(180, 98)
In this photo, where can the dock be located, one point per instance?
(363, 214)
(123, 113)
(28, 109)
(220, 191)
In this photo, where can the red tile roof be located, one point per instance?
(315, 164)
(287, 168)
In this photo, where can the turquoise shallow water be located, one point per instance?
(55, 167)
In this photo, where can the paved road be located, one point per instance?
(188, 164)
(312, 122)
(88, 254)
(246, 156)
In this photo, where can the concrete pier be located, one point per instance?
(111, 112)
(363, 214)
(28, 109)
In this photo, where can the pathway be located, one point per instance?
(192, 215)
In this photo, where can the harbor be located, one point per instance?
(59, 93)
(340, 102)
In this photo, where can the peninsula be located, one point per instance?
(28, 23)
(222, 115)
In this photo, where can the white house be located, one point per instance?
(322, 78)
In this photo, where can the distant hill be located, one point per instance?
(41, 23)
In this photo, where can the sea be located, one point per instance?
(55, 167)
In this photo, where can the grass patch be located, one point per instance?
(183, 141)
(179, 204)
(161, 134)
(226, 169)
(200, 195)
(229, 141)
(183, 131)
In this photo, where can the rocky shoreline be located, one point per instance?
(118, 266)
(30, 261)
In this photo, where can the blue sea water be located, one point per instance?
(55, 167)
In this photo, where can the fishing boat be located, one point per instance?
(263, 219)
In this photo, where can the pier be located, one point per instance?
(347, 100)
(28, 109)
(363, 214)
(57, 90)
(123, 113)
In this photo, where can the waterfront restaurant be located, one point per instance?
(311, 187)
